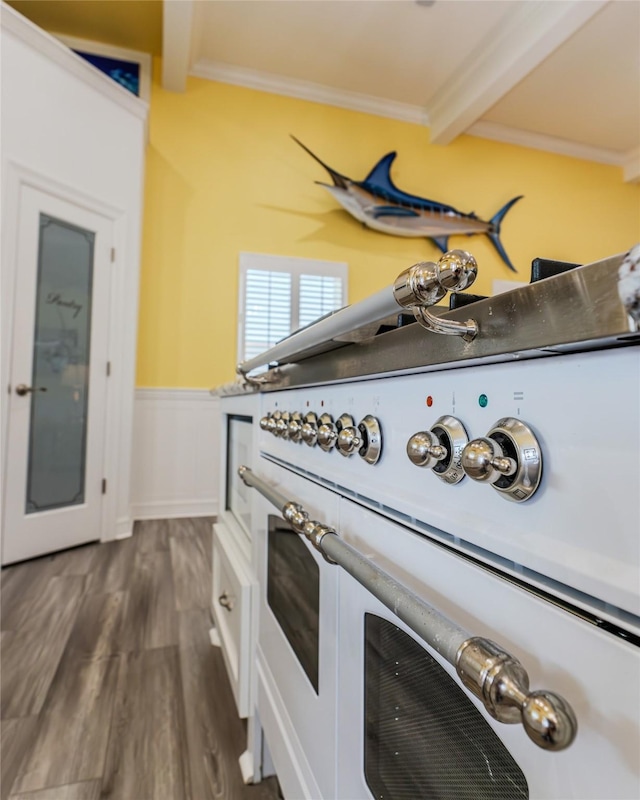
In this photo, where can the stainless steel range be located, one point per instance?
(447, 542)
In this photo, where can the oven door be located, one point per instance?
(297, 656)
(407, 727)
(238, 442)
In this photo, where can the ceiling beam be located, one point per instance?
(631, 166)
(529, 33)
(177, 16)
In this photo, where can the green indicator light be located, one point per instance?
(483, 401)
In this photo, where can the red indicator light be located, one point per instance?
(429, 401)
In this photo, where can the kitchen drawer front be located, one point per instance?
(233, 590)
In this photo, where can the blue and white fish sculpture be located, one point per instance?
(380, 205)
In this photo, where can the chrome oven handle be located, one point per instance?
(492, 674)
(423, 285)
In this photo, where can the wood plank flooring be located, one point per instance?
(110, 686)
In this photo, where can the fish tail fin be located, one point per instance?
(336, 177)
(441, 242)
(494, 231)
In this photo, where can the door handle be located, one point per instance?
(22, 389)
(226, 601)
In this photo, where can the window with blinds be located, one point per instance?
(279, 295)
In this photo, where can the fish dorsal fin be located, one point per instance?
(380, 174)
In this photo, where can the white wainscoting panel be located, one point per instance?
(175, 466)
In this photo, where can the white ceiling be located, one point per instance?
(558, 75)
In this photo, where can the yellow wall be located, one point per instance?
(223, 176)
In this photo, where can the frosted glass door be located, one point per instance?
(54, 478)
(61, 353)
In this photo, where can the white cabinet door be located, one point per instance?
(233, 589)
(54, 449)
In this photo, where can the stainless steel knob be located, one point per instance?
(270, 425)
(327, 432)
(440, 448)
(327, 435)
(509, 458)
(343, 423)
(348, 441)
(282, 425)
(264, 423)
(484, 460)
(366, 440)
(294, 430)
(424, 449)
(309, 429)
(370, 439)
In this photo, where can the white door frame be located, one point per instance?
(116, 520)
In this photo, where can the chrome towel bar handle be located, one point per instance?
(488, 671)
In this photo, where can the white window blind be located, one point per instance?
(278, 295)
(267, 310)
(319, 294)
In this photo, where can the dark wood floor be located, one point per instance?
(110, 687)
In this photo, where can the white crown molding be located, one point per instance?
(540, 141)
(629, 161)
(23, 29)
(306, 90)
(631, 166)
(177, 22)
(528, 35)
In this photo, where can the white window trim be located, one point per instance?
(295, 267)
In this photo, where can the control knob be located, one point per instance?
(485, 461)
(366, 439)
(294, 429)
(440, 448)
(327, 433)
(508, 458)
(309, 429)
(272, 421)
(282, 425)
(425, 450)
(264, 422)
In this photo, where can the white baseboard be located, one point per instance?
(124, 528)
(246, 767)
(175, 509)
(214, 637)
(175, 464)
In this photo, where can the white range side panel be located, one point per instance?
(580, 529)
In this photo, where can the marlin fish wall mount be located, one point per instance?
(380, 205)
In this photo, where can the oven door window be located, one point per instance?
(238, 453)
(423, 737)
(293, 594)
